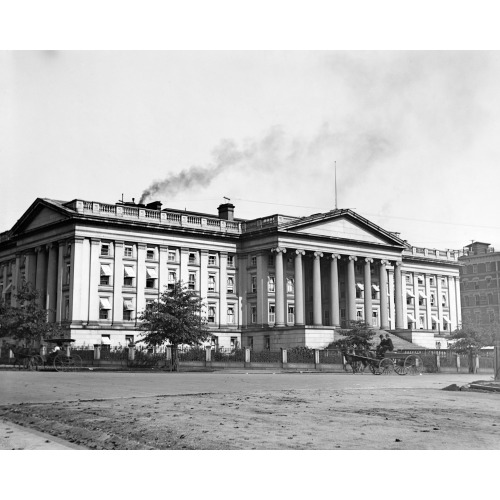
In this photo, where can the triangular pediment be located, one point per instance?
(41, 213)
(346, 226)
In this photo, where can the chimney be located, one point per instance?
(226, 211)
(154, 205)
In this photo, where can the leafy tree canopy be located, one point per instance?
(175, 318)
(470, 338)
(27, 320)
(359, 336)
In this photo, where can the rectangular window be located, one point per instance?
(68, 274)
(230, 284)
(129, 339)
(420, 280)
(233, 342)
(150, 254)
(270, 260)
(212, 261)
(271, 284)
(290, 285)
(250, 342)
(359, 315)
(230, 315)
(272, 314)
(127, 315)
(291, 314)
(192, 281)
(104, 249)
(253, 315)
(104, 280)
(421, 322)
(103, 314)
(254, 284)
(211, 314)
(431, 281)
(267, 342)
(211, 283)
(342, 314)
(104, 307)
(491, 316)
(408, 278)
(230, 261)
(172, 278)
(171, 256)
(253, 261)
(128, 251)
(192, 258)
(375, 318)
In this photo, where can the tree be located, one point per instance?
(27, 320)
(358, 337)
(176, 319)
(469, 339)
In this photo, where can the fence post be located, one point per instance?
(438, 362)
(284, 357)
(316, 358)
(208, 354)
(476, 362)
(247, 354)
(97, 352)
(131, 352)
(168, 353)
(68, 350)
(458, 362)
(496, 359)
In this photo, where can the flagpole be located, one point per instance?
(335, 184)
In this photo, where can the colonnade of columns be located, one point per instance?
(334, 294)
(43, 267)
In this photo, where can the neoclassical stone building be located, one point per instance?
(271, 282)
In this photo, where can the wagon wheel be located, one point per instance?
(386, 366)
(76, 362)
(399, 367)
(414, 365)
(61, 363)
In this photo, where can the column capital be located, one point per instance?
(300, 252)
(353, 258)
(278, 250)
(335, 256)
(318, 254)
(95, 241)
(119, 244)
(398, 263)
(384, 262)
(368, 260)
(62, 243)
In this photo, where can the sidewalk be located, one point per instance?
(15, 437)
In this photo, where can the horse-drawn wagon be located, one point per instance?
(62, 360)
(390, 362)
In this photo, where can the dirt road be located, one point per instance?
(255, 411)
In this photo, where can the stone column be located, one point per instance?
(117, 312)
(459, 305)
(79, 279)
(16, 281)
(60, 281)
(428, 309)
(184, 255)
(351, 289)
(368, 291)
(51, 297)
(384, 317)
(140, 279)
(317, 317)
(204, 274)
(262, 296)
(299, 288)
(163, 269)
(452, 303)
(94, 279)
(279, 291)
(439, 302)
(334, 290)
(30, 268)
(416, 300)
(222, 288)
(41, 274)
(398, 295)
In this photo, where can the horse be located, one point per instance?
(23, 356)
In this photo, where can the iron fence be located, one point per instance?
(331, 356)
(300, 355)
(228, 355)
(193, 354)
(266, 356)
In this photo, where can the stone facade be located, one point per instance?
(271, 282)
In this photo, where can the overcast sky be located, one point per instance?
(415, 134)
